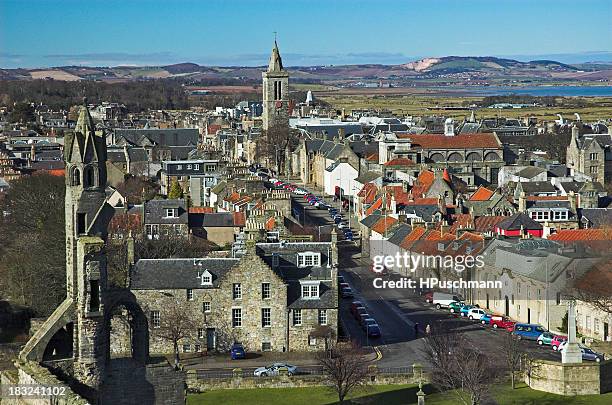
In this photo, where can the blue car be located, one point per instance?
(465, 309)
(528, 331)
(486, 319)
(237, 352)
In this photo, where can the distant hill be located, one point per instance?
(484, 68)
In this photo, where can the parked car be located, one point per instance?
(363, 317)
(502, 322)
(341, 279)
(367, 322)
(455, 307)
(354, 306)
(545, 338)
(443, 300)
(476, 313)
(486, 318)
(374, 331)
(557, 341)
(237, 351)
(273, 369)
(346, 292)
(587, 353)
(359, 311)
(528, 331)
(343, 225)
(465, 309)
(428, 297)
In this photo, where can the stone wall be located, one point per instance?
(209, 384)
(565, 379)
(33, 374)
(299, 336)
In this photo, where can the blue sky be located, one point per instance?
(35, 33)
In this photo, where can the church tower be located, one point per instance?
(275, 92)
(86, 222)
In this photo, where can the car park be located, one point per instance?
(237, 352)
(557, 341)
(274, 369)
(475, 314)
(528, 331)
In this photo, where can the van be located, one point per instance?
(528, 331)
(443, 300)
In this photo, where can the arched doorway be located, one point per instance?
(60, 345)
(127, 332)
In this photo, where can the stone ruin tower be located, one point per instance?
(86, 228)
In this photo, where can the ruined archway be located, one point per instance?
(127, 329)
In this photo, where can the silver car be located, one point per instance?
(272, 370)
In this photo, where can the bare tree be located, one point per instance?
(272, 145)
(594, 286)
(512, 352)
(457, 365)
(176, 322)
(346, 368)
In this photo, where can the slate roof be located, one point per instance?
(399, 234)
(517, 220)
(215, 219)
(370, 220)
(462, 141)
(598, 217)
(327, 297)
(530, 172)
(155, 212)
(166, 137)
(534, 187)
(368, 177)
(166, 274)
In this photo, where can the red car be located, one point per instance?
(557, 341)
(501, 322)
(428, 297)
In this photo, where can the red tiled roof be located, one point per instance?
(465, 141)
(372, 157)
(369, 192)
(383, 224)
(461, 221)
(377, 204)
(201, 210)
(568, 235)
(213, 128)
(482, 194)
(423, 183)
(233, 197)
(401, 196)
(423, 201)
(416, 234)
(487, 223)
(239, 218)
(446, 176)
(438, 236)
(270, 224)
(399, 162)
(598, 280)
(56, 172)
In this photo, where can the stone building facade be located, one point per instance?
(276, 297)
(591, 154)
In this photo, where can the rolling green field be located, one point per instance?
(383, 394)
(594, 108)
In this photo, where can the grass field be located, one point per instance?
(384, 394)
(595, 108)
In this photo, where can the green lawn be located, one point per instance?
(383, 394)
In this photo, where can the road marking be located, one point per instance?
(379, 355)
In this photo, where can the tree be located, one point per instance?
(345, 369)
(32, 243)
(138, 189)
(459, 366)
(22, 113)
(176, 323)
(272, 145)
(512, 352)
(175, 191)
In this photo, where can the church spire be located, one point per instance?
(276, 62)
(85, 123)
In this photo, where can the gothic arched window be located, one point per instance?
(89, 178)
(76, 177)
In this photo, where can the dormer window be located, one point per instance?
(206, 278)
(171, 212)
(310, 290)
(309, 259)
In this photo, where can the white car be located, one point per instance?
(273, 369)
(475, 314)
(300, 191)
